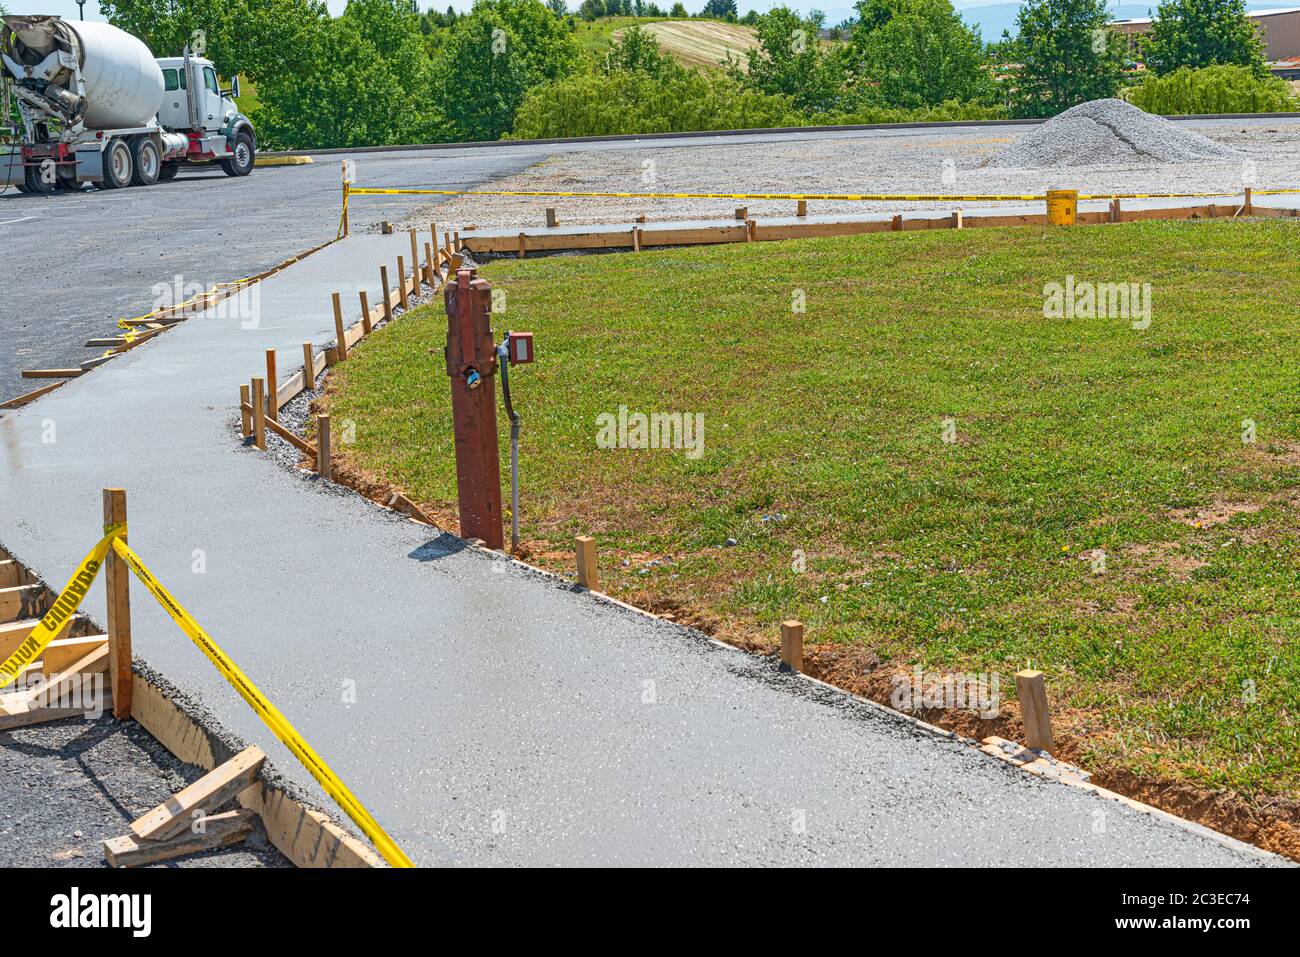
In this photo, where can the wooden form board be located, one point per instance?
(665, 234)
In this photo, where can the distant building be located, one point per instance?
(1279, 28)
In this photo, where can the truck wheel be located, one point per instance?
(147, 162)
(241, 164)
(168, 172)
(34, 182)
(118, 166)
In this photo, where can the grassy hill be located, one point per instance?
(693, 43)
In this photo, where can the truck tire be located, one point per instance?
(147, 162)
(168, 172)
(33, 182)
(119, 166)
(241, 164)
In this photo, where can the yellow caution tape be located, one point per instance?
(834, 197)
(64, 607)
(269, 714)
(829, 197)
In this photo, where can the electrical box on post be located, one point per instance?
(521, 348)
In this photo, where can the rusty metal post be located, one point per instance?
(471, 366)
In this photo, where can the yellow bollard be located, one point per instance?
(1062, 207)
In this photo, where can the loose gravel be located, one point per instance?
(67, 786)
(946, 161)
(1108, 132)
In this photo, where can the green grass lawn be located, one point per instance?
(1178, 661)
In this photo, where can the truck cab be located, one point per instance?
(194, 103)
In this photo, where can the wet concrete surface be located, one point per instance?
(486, 714)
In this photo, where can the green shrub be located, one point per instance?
(1212, 89)
(634, 102)
(682, 100)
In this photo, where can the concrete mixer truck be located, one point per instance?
(96, 107)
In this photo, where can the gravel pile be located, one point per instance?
(1107, 133)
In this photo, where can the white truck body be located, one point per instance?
(97, 107)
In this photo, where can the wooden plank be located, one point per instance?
(62, 653)
(52, 373)
(14, 633)
(25, 700)
(586, 557)
(219, 830)
(296, 441)
(12, 574)
(366, 324)
(206, 795)
(19, 401)
(1035, 712)
(98, 704)
(21, 601)
(792, 645)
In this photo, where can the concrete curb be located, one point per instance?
(636, 137)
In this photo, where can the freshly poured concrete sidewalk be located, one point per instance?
(498, 717)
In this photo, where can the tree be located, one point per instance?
(557, 7)
(914, 53)
(790, 61)
(637, 50)
(1067, 56)
(251, 37)
(591, 9)
(679, 11)
(1198, 33)
(720, 9)
(361, 79)
(495, 54)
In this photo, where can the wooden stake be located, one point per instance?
(896, 224)
(388, 302)
(415, 262)
(117, 585)
(338, 326)
(430, 267)
(1246, 203)
(386, 228)
(365, 311)
(401, 283)
(324, 464)
(331, 356)
(551, 221)
(792, 645)
(522, 245)
(446, 245)
(803, 208)
(433, 234)
(587, 562)
(245, 416)
(259, 414)
(308, 367)
(956, 219)
(1035, 712)
(1114, 211)
(636, 239)
(272, 387)
(346, 224)
(751, 230)
(455, 238)
(742, 212)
